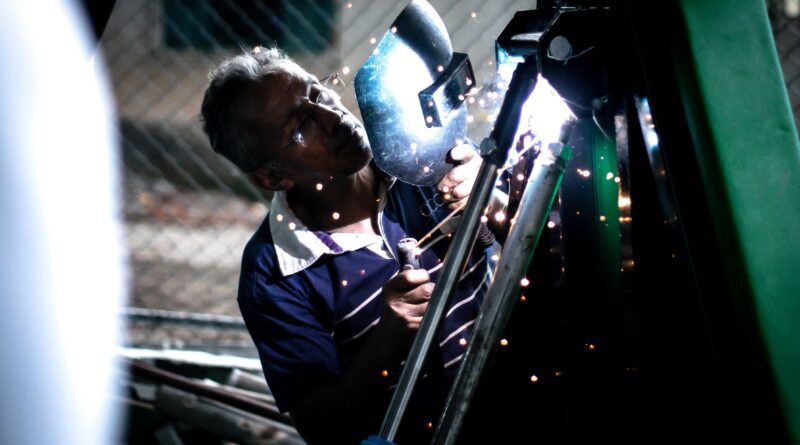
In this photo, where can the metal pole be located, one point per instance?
(498, 304)
(494, 150)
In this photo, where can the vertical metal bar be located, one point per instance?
(499, 300)
(448, 280)
(495, 152)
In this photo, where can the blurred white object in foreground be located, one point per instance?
(61, 268)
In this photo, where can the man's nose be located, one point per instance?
(328, 117)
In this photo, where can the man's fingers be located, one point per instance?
(454, 177)
(408, 280)
(419, 295)
(461, 190)
(462, 153)
(417, 310)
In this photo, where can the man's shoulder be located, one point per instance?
(259, 252)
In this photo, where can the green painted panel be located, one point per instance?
(749, 157)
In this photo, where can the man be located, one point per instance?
(320, 291)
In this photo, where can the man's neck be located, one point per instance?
(339, 205)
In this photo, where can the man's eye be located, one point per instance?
(322, 98)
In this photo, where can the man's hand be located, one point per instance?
(405, 302)
(457, 184)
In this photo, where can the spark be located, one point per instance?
(495, 257)
(609, 176)
(602, 218)
(292, 226)
(429, 119)
(426, 169)
(346, 70)
(470, 118)
(500, 216)
(335, 215)
(319, 186)
(551, 224)
(534, 379)
(522, 298)
(473, 14)
(440, 68)
(503, 342)
(394, 30)
(385, 373)
(617, 180)
(344, 283)
(349, 5)
(362, 272)
(484, 219)
(463, 342)
(279, 217)
(372, 40)
(524, 282)
(591, 346)
(520, 177)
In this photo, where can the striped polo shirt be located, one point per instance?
(311, 299)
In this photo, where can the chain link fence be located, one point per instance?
(785, 19)
(189, 213)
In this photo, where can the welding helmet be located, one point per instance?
(411, 94)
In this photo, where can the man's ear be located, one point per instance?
(270, 180)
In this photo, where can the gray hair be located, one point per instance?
(220, 119)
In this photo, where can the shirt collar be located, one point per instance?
(298, 247)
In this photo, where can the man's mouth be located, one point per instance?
(346, 135)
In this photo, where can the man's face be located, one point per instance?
(334, 143)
